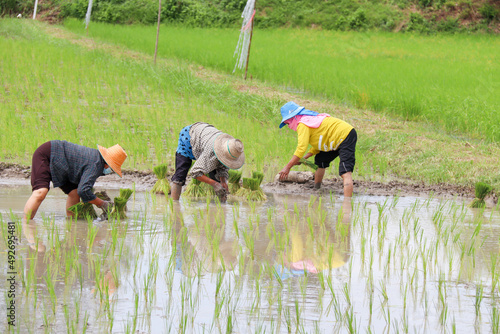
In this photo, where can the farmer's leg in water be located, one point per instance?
(33, 203)
(348, 184)
(318, 177)
(347, 157)
(322, 160)
(182, 166)
(73, 198)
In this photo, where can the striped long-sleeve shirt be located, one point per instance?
(76, 164)
(202, 141)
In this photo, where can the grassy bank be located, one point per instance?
(60, 86)
(448, 81)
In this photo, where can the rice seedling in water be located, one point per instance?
(83, 210)
(482, 189)
(234, 180)
(195, 189)
(161, 186)
(251, 189)
(120, 206)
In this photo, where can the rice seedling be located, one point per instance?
(234, 180)
(162, 186)
(195, 189)
(308, 163)
(120, 207)
(251, 189)
(481, 191)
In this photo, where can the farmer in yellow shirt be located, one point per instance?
(329, 137)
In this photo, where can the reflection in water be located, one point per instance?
(284, 265)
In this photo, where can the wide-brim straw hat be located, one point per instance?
(229, 151)
(114, 157)
(289, 110)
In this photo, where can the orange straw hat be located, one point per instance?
(229, 151)
(114, 157)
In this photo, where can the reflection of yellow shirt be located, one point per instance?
(327, 137)
(302, 252)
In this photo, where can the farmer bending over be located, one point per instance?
(329, 137)
(215, 153)
(74, 169)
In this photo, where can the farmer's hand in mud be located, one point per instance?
(220, 191)
(106, 206)
(225, 186)
(284, 173)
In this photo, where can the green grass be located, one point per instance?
(446, 80)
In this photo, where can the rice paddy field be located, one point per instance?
(447, 80)
(291, 263)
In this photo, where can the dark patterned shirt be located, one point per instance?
(77, 164)
(202, 143)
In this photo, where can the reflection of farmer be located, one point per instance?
(307, 253)
(207, 249)
(74, 169)
(215, 153)
(329, 137)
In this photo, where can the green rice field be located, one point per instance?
(448, 81)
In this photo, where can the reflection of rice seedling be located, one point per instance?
(161, 186)
(195, 189)
(234, 180)
(121, 203)
(308, 163)
(482, 189)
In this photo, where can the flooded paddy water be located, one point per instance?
(291, 264)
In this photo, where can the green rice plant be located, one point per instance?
(234, 180)
(251, 190)
(195, 189)
(162, 186)
(481, 191)
(308, 163)
(259, 176)
(120, 202)
(83, 210)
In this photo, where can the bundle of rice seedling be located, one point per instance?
(259, 176)
(251, 190)
(209, 190)
(120, 206)
(161, 186)
(308, 163)
(482, 189)
(234, 181)
(83, 210)
(195, 189)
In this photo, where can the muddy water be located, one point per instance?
(292, 263)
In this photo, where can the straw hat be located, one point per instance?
(114, 157)
(229, 151)
(289, 110)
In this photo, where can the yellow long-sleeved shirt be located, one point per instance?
(327, 137)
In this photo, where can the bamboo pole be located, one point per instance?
(158, 29)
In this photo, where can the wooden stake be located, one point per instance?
(158, 29)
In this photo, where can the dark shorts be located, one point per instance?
(182, 166)
(40, 170)
(346, 151)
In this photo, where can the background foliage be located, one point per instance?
(422, 16)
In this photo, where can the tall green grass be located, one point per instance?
(447, 80)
